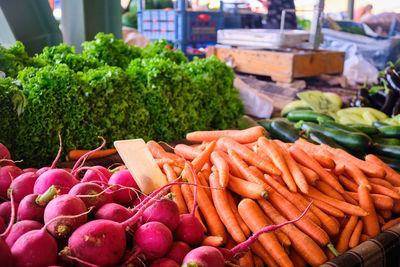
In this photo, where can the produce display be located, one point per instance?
(234, 196)
(112, 90)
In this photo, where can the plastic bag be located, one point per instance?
(357, 70)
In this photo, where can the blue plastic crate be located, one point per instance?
(181, 27)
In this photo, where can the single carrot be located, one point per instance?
(348, 198)
(214, 223)
(161, 162)
(348, 183)
(256, 172)
(371, 225)
(311, 176)
(297, 260)
(364, 237)
(188, 196)
(328, 223)
(355, 236)
(382, 182)
(214, 241)
(242, 136)
(260, 251)
(324, 160)
(222, 167)
(248, 155)
(391, 175)
(390, 223)
(294, 169)
(386, 214)
(258, 262)
(78, 153)
(379, 189)
(176, 189)
(277, 158)
(301, 242)
(381, 202)
(207, 166)
(282, 237)
(300, 156)
(328, 190)
(203, 157)
(343, 243)
(255, 219)
(370, 168)
(341, 205)
(233, 205)
(339, 168)
(158, 152)
(246, 189)
(396, 206)
(381, 220)
(224, 210)
(203, 180)
(307, 146)
(186, 151)
(328, 209)
(246, 260)
(232, 167)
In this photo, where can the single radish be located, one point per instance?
(113, 212)
(5, 211)
(63, 207)
(42, 170)
(60, 178)
(7, 174)
(122, 179)
(23, 185)
(164, 262)
(5, 156)
(164, 211)
(21, 228)
(2, 225)
(153, 239)
(178, 251)
(96, 173)
(5, 254)
(91, 194)
(30, 170)
(32, 206)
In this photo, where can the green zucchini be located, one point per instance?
(353, 141)
(284, 131)
(379, 124)
(367, 129)
(321, 138)
(386, 141)
(390, 151)
(306, 115)
(390, 131)
(335, 125)
(245, 122)
(296, 109)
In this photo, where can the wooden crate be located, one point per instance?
(282, 66)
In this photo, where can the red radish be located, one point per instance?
(5, 254)
(153, 239)
(23, 185)
(30, 170)
(164, 262)
(204, 256)
(93, 174)
(121, 195)
(21, 228)
(60, 178)
(5, 156)
(5, 210)
(178, 251)
(63, 207)
(2, 225)
(164, 211)
(7, 174)
(113, 212)
(32, 206)
(189, 230)
(42, 170)
(91, 194)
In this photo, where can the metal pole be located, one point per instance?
(350, 9)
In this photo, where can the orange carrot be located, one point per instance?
(311, 176)
(214, 241)
(258, 262)
(343, 206)
(158, 152)
(371, 225)
(188, 196)
(256, 220)
(282, 237)
(396, 206)
(258, 250)
(176, 189)
(232, 167)
(355, 236)
(390, 223)
(203, 157)
(382, 182)
(381, 202)
(328, 190)
(348, 198)
(324, 160)
(203, 180)
(301, 242)
(207, 166)
(343, 243)
(348, 183)
(248, 155)
(246, 189)
(364, 237)
(300, 156)
(379, 189)
(391, 175)
(339, 169)
(242, 136)
(386, 214)
(256, 172)
(328, 223)
(186, 151)
(381, 220)
(222, 167)
(294, 169)
(297, 260)
(224, 210)
(233, 205)
(277, 158)
(370, 168)
(214, 224)
(247, 260)
(161, 162)
(77, 153)
(328, 209)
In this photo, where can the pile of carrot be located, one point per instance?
(249, 182)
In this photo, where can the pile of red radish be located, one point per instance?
(56, 218)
